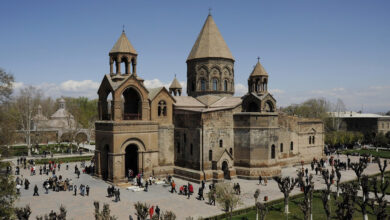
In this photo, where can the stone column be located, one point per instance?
(128, 68)
(116, 110)
(118, 67)
(98, 170)
(134, 64)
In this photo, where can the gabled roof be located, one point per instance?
(259, 70)
(208, 99)
(175, 84)
(123, 45)
(210, 43)
(153, 92)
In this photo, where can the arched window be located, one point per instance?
(132, 106)
(202, 85)
(191, 148)
(281, 147)
(178, 147)
(309, 139)
(162, 108)
(215, 84)
(273, 152)
(220, 143)
(210, 155)
(292, 146)
(225, 85)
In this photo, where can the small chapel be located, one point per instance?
(210, 134)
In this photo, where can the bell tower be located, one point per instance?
(258, 80)
(123, 52)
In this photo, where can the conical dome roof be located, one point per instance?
(259, 70)
(123, 45)
(210, 43)
(175, 84)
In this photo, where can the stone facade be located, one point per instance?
(208, 135)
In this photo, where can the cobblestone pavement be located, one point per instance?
(80, 207)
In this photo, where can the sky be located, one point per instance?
(310, 49)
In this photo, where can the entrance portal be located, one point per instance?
(225, 169)
(131, 160)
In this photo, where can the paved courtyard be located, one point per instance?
(80, 207)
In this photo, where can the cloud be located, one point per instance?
(240, 89)
(86, 88)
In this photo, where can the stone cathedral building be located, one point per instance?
(209, 134)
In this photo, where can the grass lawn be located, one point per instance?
(64, 159)
(380, 153)
(276, 211)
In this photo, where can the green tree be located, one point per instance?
(226, 197)
(142, 210)
(105, 214)
(6, 85)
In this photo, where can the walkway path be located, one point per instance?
(82, 207)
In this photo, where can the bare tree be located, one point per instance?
(328, 178)
(142, 210)
(256, 196)
(263, 210)
(364, 202)
(6, 84)
(24, 107)
(307, 187)
(286, 185)
(168, 215)
(381, 203)
(358, 168)
(226, 197)
(382, 169)
(105, 214)
(338, 174)
(345, 207)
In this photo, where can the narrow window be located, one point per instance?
(185, 138)
(281, 147)
(191, 148)
(313, 140)
(225, 85)
(309, 139)
(178, 147)
(202, 85)
(162, 108)
(215, 84)
(210, 155)
(273, 152)
(220, 143)
(193, 86)
(292, 146)
(231, 151)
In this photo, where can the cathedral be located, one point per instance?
(209, 134)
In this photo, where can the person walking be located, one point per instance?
(35, 190)
(151, 211)
(157, 212)
(87, 188)
(75, 190)
(173, 185)
(119, 194)
(200, 193)
(203, 184)
(260, 179)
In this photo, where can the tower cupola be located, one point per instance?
(258, 80)
(123, 52)
(175, 88)
(210, 64)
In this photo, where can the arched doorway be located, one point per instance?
(225, 168)
(131, 160)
